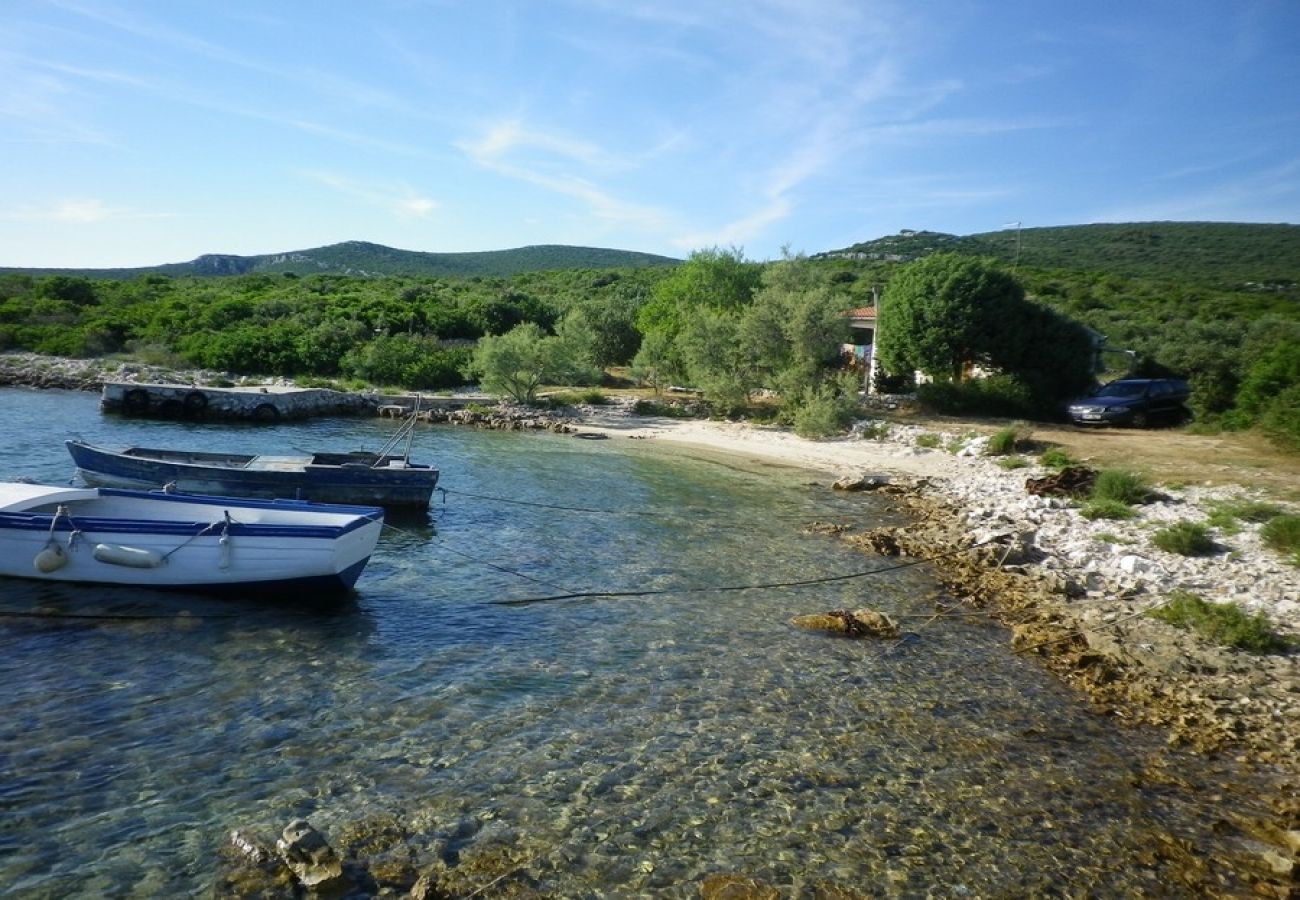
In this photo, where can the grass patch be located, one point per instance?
(872, 430)
(1228, 514)
(956, 444)
(1225, 624)
(1282, 533)
(1008, 440)
(1107, 537)
(1055, 458)
(590, 397)
(1107, 509)
(1121, 486)
(929, 440)
(1013, 462)
(1185, 539)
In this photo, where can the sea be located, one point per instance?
(576, 674)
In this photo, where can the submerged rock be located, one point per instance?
(306, 852)
(736, 887)
(855, 623)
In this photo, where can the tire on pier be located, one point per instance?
(135, 401)
(266, 412)
(196, 404)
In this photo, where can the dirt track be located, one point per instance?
(1167, 455)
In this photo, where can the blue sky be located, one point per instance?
(137, 133)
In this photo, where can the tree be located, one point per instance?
(656, 362)
(716, 360)
(942, 315)
(945, 314)
(606, 326)
(517, 363)
(794, 329)
(710, 279)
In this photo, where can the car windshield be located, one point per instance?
(1123, 389)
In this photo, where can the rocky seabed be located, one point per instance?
(1072, 592)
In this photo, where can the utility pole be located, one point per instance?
(1017, 260)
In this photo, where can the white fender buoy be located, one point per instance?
(51, 559)
(223, 561)
(135, 557)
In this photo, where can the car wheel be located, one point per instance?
(1141, 420)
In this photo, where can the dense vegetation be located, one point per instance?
(370, 260)
(1216, 304)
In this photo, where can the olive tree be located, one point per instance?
(517, 363)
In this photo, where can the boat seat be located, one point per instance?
(277, 463)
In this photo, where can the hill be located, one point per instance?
(1219, 254)
(362, 259)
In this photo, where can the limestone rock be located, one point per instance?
(860, 482)
(306, 852)
(855, 623)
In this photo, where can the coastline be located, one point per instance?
(1070, 592)
(1073, 593)
(1095, 578)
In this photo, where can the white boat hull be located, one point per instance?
(110, 537)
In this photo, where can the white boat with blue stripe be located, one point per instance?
(194, 542)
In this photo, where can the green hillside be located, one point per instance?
(365, 260)
(1217, 254)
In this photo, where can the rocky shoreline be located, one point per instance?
(1072, 592)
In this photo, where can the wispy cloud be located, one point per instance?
(549, 161)
(400, 200)
(323, 82)
(79, 211)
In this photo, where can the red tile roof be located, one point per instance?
(862, 312)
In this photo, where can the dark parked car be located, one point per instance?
(1133, 401)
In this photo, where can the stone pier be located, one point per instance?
(267, 404)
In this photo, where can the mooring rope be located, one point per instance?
(642, 513)
(483, 562)
(825, 579)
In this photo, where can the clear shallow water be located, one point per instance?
(617, 746)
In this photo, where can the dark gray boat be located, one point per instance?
(359, 477)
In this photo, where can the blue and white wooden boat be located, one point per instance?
(358, 477)
(167, 540)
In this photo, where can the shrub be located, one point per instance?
(1185, 539)
(873, 431)
(667, 410)
(1226, 514)
(1055, 458)
(1107, 509)
(822, 413)
(998, 395)
(1008, 440)
(1282, 533)
(1223, 623)
(1121, 486)
(1280, 420)
(929, 440)
(575, 398)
